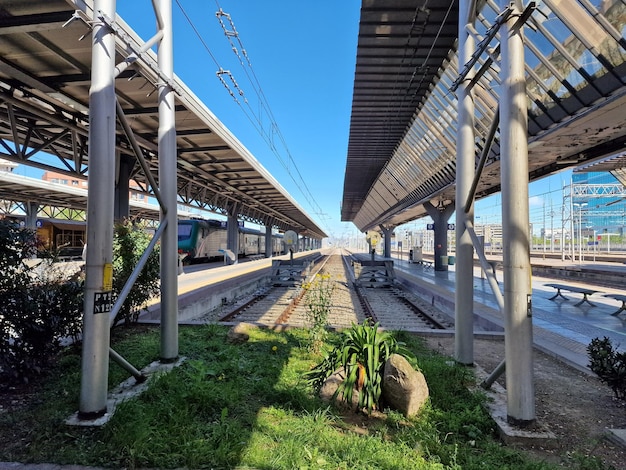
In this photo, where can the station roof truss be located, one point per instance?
(45, 66)
(54, 198)
(402, 146)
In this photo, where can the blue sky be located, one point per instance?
(303, 56)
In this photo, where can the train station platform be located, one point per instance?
(560, 327)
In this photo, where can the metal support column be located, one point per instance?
(122, 186)
(269, 246)
(440, 218)
(515, 222)
(232, 234)
(387, 237)
(101, 179)
(465, 148)
(168, 187)
(32, 208)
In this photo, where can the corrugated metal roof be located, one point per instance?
(402, 47)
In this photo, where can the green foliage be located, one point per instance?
(246, 406)
(608, 364)
(362, 355)
(129, 244)
(39, 307)
(318, 298)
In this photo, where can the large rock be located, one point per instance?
(330, 387)
(404, 389)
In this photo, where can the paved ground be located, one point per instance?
(560, 327)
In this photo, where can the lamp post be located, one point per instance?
(580, 206)
(595, 246)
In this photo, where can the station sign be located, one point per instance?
(373, 237)
(224, 223)
(432, 226)
(290, 237)
(102, 302)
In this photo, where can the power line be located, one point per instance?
(234, 39)
(227, 79)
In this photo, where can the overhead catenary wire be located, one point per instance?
(227, 78)
(232, 35)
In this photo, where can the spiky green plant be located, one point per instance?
(362, 355)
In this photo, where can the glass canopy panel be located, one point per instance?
(534, 93)
(397, 177)
(599, 35)
(401, 172)
(567, 22)
(386, 189)
(613, 10)
(413, 149)
(613, 13)
(549, 75)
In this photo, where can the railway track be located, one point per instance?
(392, 307)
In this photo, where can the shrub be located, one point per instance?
(129, 244)
(39, 307)
(608, 364)
(362, 354)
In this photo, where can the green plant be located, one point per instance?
(317, 301)
(39, 306)
(362, 355)
(130, 242)
(608, 364)
(241, 406)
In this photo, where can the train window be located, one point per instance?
(184, 231)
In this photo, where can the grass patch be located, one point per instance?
(249, 405)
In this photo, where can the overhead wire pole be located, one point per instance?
(515, 221)
(465, 151)
(167, 186)
(100, 203)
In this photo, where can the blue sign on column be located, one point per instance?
(430, 226)
(451, 226)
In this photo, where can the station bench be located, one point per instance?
(579, 290)
(621, 297)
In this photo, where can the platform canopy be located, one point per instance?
(402, 144)
(45, 76)
(15, 190)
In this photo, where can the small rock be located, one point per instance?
(238, 334)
